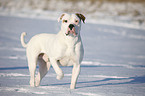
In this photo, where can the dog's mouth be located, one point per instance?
(71, 30)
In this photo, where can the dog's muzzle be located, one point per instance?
(71, 30)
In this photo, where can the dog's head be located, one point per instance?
(71, 23)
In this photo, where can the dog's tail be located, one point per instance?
(22, 39)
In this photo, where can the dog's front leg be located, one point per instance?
(75, 74)
(57, 69)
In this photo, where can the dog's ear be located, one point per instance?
(82, 17)
(60, 18)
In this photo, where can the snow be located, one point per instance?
(11, 74)
(113, 65)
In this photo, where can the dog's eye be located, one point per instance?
(76, 21)
(65, 21)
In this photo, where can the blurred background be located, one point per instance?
(129, 13)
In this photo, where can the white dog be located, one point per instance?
(62, 49)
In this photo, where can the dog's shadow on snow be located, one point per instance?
(130, 80)
(107, 81)
(95, 83)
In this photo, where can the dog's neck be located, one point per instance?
(69, 40)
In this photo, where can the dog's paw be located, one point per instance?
(37, 82)
(72, 86)
(59, 77)
(32, 83)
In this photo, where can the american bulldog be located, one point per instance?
(62, 49)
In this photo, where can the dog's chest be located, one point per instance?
(69, 57)
(71, 45)
(69, 53)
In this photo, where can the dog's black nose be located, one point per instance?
(71, 26)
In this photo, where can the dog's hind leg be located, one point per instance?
(32, 56)
(32, 67)
(44, 66)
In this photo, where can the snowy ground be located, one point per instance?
(114, 62)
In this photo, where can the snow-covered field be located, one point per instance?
(113, 65)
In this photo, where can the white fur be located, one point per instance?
(55, 49)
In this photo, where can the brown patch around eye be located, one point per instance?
(65, 21)
(76, 21)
